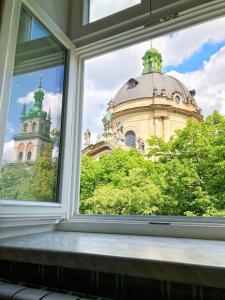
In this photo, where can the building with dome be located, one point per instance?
(153, 104)
(34, 134)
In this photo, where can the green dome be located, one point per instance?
(152, 61)
(36, 110)
(39, 93)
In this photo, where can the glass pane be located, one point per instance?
(102, 8)
(154, 127)
(130, 139)
(30, 164)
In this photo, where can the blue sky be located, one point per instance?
(196, 61)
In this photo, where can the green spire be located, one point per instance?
(36, 111)
(152, 61)
(39, 96)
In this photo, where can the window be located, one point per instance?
(34, 127)
(26, 127)
(42, 149)
(102, 8)
(36, 102)
(130, 139)
(98, 19)
(29, 155)
(174, 164)
(20, 156)
(177, 99)
(103, 56)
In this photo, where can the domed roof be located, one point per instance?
(150, 84)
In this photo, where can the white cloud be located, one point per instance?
(112, 70)
(9, 128)
(209, 83)
(28, 99)
(51, 101)
(102, 8)
(181, 45)
(95, 104)
(8, 151)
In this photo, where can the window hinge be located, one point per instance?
(162, 20)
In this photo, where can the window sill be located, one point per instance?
(176, 227)
(188, 261)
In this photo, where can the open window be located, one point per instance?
(34, 116)
(155, 96)
(148, 62)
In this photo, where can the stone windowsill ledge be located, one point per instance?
(175, 259)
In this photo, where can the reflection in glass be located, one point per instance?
(29, 168)
(102, 8)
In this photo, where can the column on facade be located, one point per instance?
(158, 128)
(167, 129)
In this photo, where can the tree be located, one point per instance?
(185, 178)
(12, 178)
(42, 182)
(195, 167)
(118, 184)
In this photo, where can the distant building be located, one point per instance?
(34, 134)
(153, 104)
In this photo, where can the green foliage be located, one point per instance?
(12, 178)
(41, 185)
(184, 176)
(36, 182)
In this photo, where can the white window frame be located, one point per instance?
(82, 32)
(23, 213)
(148, 12)
(196, 227)
(27, 213)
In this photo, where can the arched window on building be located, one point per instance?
(130, 139)
(29, 150)
(20, 156)
(42, 149)
(34, 127)
(21, 148)
(25, 127)
(29, 155)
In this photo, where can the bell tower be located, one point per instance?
(34, 134)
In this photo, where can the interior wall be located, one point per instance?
(58, 10)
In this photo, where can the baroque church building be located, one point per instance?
(153, 104)
(34, 134)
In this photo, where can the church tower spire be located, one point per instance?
(35, 126)
(39, 96)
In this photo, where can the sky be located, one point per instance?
(195, 55)
(102, 8)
